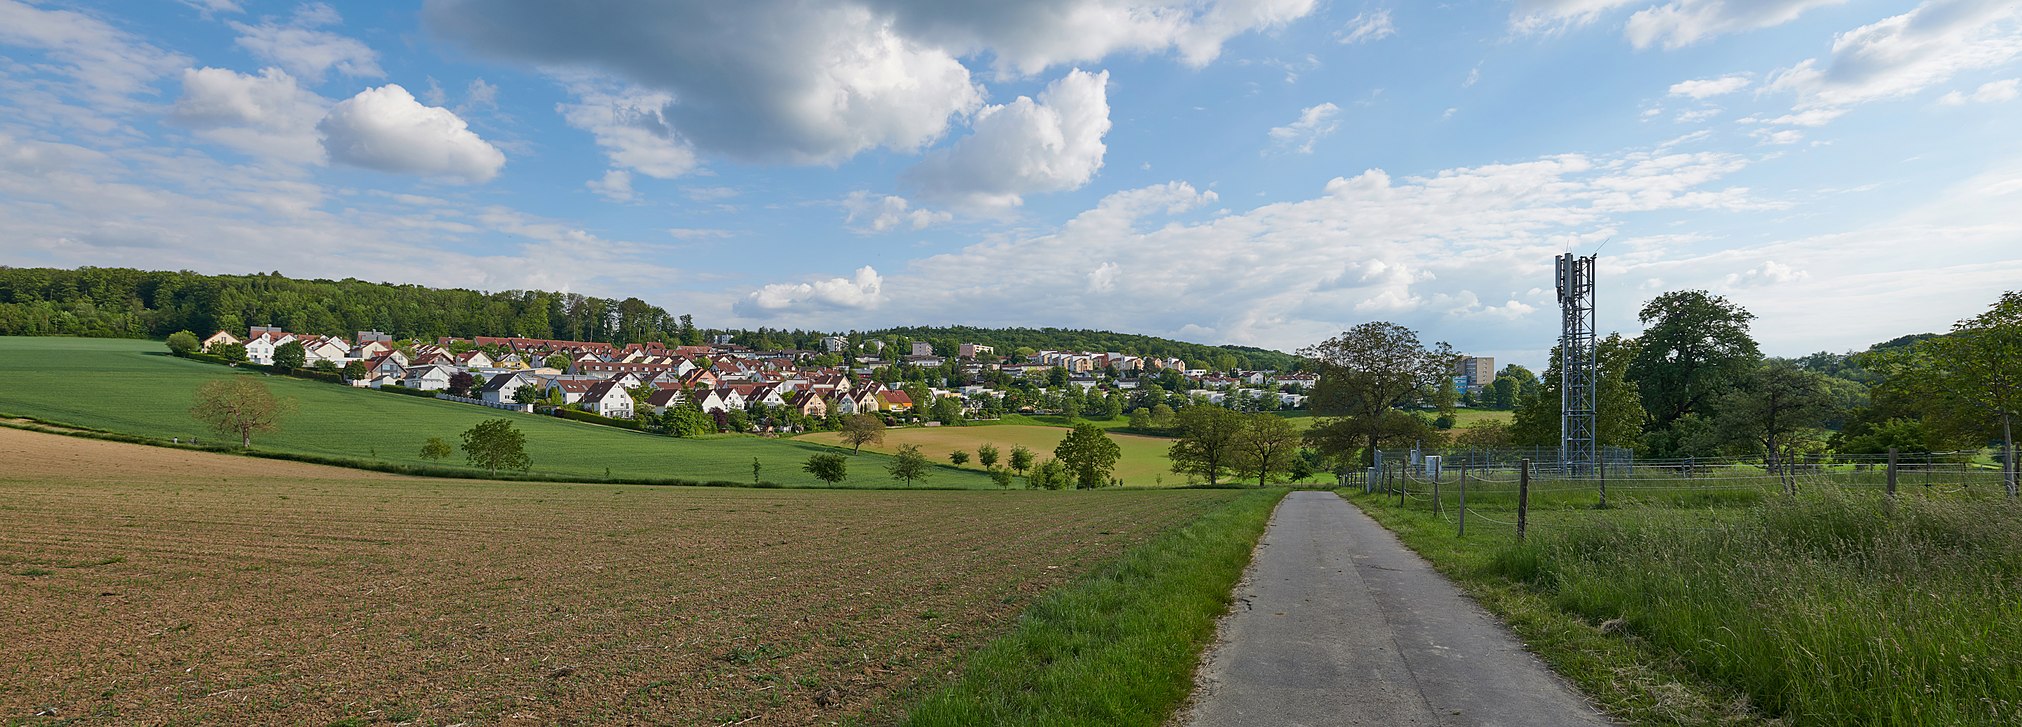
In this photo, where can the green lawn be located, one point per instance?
(134, 387)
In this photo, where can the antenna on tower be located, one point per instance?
(1578, 452)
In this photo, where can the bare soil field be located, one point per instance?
(144, 585)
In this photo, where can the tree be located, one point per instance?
(1366, 374)
(861, 429)
(1772, 405)
(959, 457)
(1975, 375)
(239, 406)
(460, 383)
(436, 449)
(1089, 455)
(1112, 406)
(355, 371)
(557, 361)
(526, 394)
(1001, 476)
(496, 444)
(1208, 440)
(1265, 447)
(829, 468)
(1048, 475)
(755, 469)
(232, 353)
(290, 355)
(1618, 404)
(986, 455)
(1163, 416)
(1490, 434)
(908, 465)
(183, 343)
(1021, 458)
(1695, 346)
(1070, 406)
(1140, 418)
(947, 410)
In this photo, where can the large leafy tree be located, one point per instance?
(1771, 408)
(290, 355)
(1975, 375)
(239, 407)
(1366, 374)
(1207, 443)
(183, 343)
(908, 465)
(861, 429)
(1694, 348)
(496, 444)
(1266, 447)
(829, 468)
(1618, 404)
(1089, 455)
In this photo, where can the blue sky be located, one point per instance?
(1263, 172)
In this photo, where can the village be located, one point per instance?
(765, 391)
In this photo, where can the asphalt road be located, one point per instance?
(1337, 623)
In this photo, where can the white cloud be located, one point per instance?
(1050, 144)
(1544, 16)
(1103, 278)
(481, 94)
(1684, 22)
(1027, 38)
(1770, 272)
(384, 128)
(1704, 88)
(106, 65)
(862, 291)
(615, 185)
(882, 213)
(1367, 27)
(1697, 115)
(306, 52)
(1904, 54)
(1990, 92)
(698, 233)
(267, 115)
(1313, 124)
(629, 126)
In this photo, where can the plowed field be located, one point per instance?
(142, 585)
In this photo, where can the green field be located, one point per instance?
(1143, 464)
(135, 387)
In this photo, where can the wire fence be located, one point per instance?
(1504, 496)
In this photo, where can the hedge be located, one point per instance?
(583, 416)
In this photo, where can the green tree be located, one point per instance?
(290, 355)
(1089, 455)
(1208, 441)
(1140, 418)
(986, 455)
(1112, 406)
(436, 449)
(1694, 348)
(183, 343)
(1265, 447)
(239, 407)
(1618, 404)
(1366, 374)
(908, 465)
(1163, 416)
(829, 468)
(496, 444)
(1021, 458)
(947, 410)
(526, 394)
(1773, 404)
(1974, 375)
(355, 371)
(234, 353)
(1001, 476)
(1048, 475)
(861, 429)
(557, 361)
(1070, 406)
(959, 457)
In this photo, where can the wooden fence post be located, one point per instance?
(1435, 496)
(1523, 496)
(1892, 472)
(1603, 470)
(1463, 501)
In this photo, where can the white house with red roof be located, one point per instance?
(608, 398)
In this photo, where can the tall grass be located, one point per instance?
(1832, 608)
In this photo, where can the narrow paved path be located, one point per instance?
(1338, 624)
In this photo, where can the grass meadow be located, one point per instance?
(134, 387)
(1723, 601)
(1143, 464)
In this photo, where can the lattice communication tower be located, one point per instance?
(1577, 450)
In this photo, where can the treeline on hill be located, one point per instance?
(1008, 340)
(128, 303)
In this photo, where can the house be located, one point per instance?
(219, 339)
(971, 350)
(608, 398)
(666, 398)
(712, 401)
(811, 405)
(474, 359)
(260, 347)
(923, 348)
(835, 344)
(373, 349)
(895, 401)
(502, 388)
(862, 399)
(725, 399)
(427, 377)
(325, 348)
(392, 364)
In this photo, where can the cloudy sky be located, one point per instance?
(1262, 172)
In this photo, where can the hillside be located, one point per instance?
(135, 387)
(1006, 340)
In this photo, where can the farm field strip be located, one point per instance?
(134, 597)
(1143, 464)
(134, 387)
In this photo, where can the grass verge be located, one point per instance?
(1118, 647)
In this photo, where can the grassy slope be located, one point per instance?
(1143, 463)
(134, 387)
(1118, 647)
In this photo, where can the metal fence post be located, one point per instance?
(1463, 501)
(1435, 496)
(1523, 496)
(1603, 471)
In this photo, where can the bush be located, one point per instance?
(398, 389)
(183, 343)
(583, 416)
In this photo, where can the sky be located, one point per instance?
(1255, 172)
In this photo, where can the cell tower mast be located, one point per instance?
(1577, 450)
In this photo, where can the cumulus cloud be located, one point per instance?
(268, 115)
(1367, 27)
(628, 123)
(882, 213)
(1684, 22)
(862, 291)
(1704, 88)
(1047, 144)
(1904, 54)
(1026, 38)
(1990, 92)
(1103, 278)
(384, 128)
(1313, 124)
(304, 50)
(1770, 272)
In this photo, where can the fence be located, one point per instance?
(1503, 496)
(528, 408)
